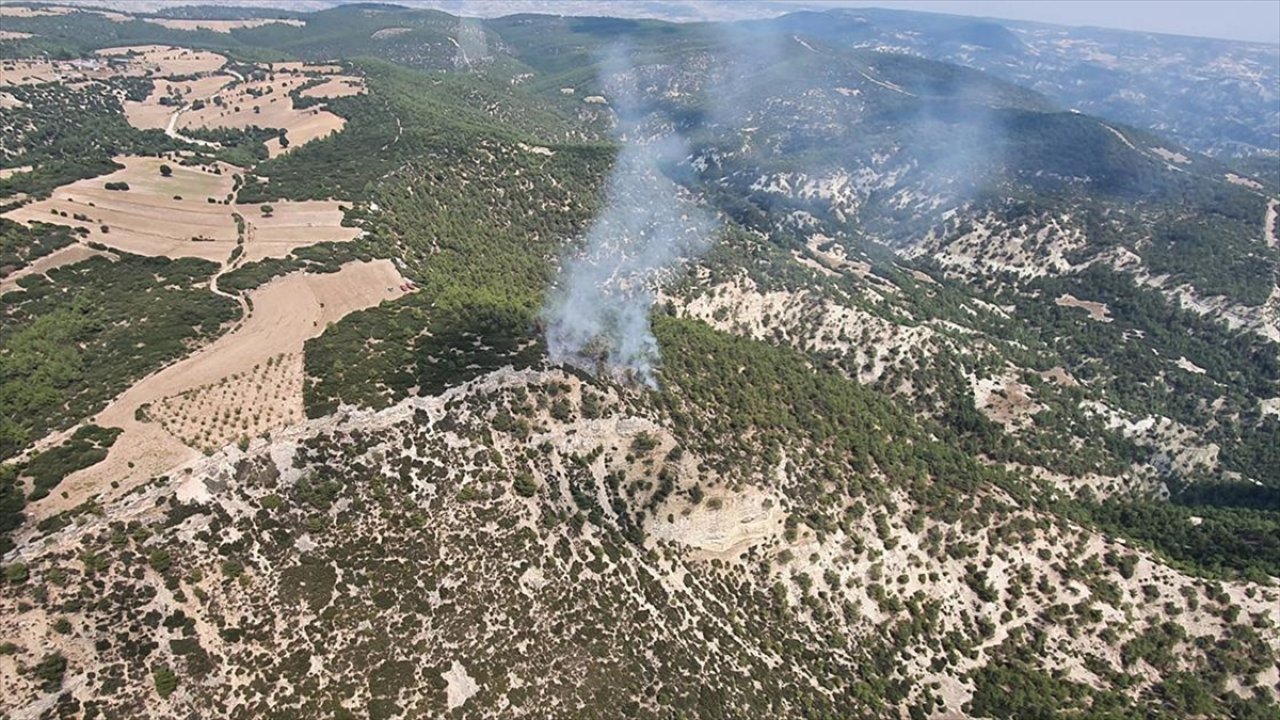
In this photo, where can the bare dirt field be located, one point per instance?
(296, 67)
(20, 11)
(1271, 224)
(62, 256)
(172, 216)
(31, 72)
(724, 526)
(9, 101)
(1005, 400)
(10, 172)
(166, 60)
(292, 225)
(147, 219)
(265, 103)
(1246, 182)
(150, 114)
(221, 26)
(310, 124)
(13, 35)
(336, 86)
(247, 382)
(149, 60)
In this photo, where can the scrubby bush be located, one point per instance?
(16, 574)
(525, 485)
(166, 681)
(50, 670)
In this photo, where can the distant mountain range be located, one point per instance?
(1218, 97)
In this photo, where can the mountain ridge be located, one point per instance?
(959, 404)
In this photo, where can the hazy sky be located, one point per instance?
(1254, 20)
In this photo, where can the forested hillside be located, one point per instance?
(914, 385)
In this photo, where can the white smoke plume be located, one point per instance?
(471, 47)
(598, 316)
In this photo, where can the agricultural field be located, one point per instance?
(244, 385)
(302, 68)
(222, 26)
(164, 60)
(21, 11)
(31, 72)
(335, 86)
(68, 255)
(221, 101)
(264, 103)
(168, 96)
(184, 213)
(180, 215)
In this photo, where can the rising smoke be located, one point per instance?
(471, 47)
(772, 101)
(598, 317)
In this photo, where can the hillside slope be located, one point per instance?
(532, 545)
(647, 369)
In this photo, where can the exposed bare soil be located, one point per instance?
(31, 72)
(336, 86)
(303, 68)
(26, 12)
(166, 60)
(265, 103)
(173, 216)
(221, 26)
(150, 114)
(1098, 311)
(247, 381)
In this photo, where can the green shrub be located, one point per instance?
(50, 670)
(160, 560)
(166, 681)
(16, 574)
(525, 485)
